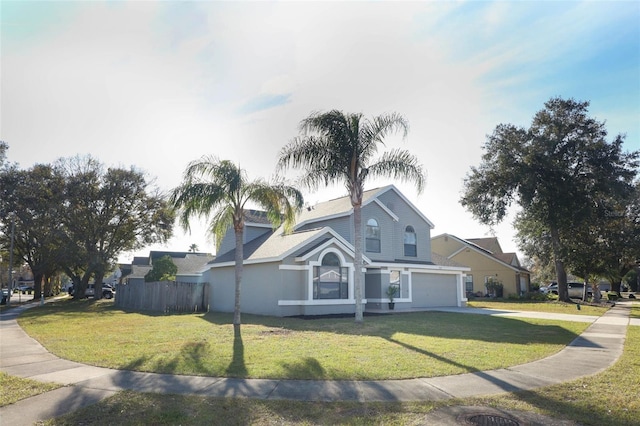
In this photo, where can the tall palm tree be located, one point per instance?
(193, 248)
(337, 147)
(220, 190)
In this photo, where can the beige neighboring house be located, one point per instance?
(487, 260)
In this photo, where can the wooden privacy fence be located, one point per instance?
(164, 296)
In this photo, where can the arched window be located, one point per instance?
(330, 280)
(372, 235)
(410, 242)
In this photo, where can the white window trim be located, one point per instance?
(310, 301)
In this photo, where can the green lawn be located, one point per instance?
(552, 306)
(13, 389)
(385, 347)
(609, 398)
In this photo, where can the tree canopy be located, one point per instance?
(163, 270)
(561, 172)
(3, 152)
(77, 216)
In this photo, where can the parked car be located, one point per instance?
(574, 289)
(551, 288)
(107, 291)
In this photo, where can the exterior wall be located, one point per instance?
(252, 232)
(387, 233)
(341, 225)
(377, 282)
(484, 266)
(299, 278)
(407, 216)
(260, 290)
(229, 240)
(135, 280)
(276, 288)
(445, 245)
(432, 290)
(189, 278)
(373, 285)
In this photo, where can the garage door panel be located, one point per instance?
(431, 290)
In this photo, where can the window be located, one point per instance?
(330, 280)
(372, 235)
(468, 283)
(410, 242)
(395, 279)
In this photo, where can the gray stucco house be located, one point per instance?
(311, 271)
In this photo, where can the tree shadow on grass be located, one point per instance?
(237, 367)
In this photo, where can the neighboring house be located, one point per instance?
(190, 265)
(311, 270)
(487, 261)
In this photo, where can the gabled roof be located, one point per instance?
(510, 258)
(192, 263)
(140, 260)
(139, 271)
(504, 258)
(275, 245)
(256, 217)
(155, 255)
(188, 263)
(487, 243)
(341, 207)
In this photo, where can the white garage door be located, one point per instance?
(431, 290)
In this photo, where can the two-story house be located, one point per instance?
(311, 270)
(487, 262)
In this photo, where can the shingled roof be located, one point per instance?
(271, 245)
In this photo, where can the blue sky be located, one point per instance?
(158, 84)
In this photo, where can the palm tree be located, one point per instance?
(337, 147)
(220, 190)
(193, 248)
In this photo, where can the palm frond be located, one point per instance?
(280, 202)
(220, 222)
(373, 132)
(400, 165)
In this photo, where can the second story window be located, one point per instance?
(372, 236)
(410, 242)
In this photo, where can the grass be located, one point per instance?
(424, 344)
(552, 306)
(13, 389)
(609, 398)
(17, 300)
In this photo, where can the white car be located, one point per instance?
(575, 290)
(551, 288)
(107, 291)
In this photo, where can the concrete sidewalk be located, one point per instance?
(592, 352)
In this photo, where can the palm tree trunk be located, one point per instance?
(238, 270)
(357, 223)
